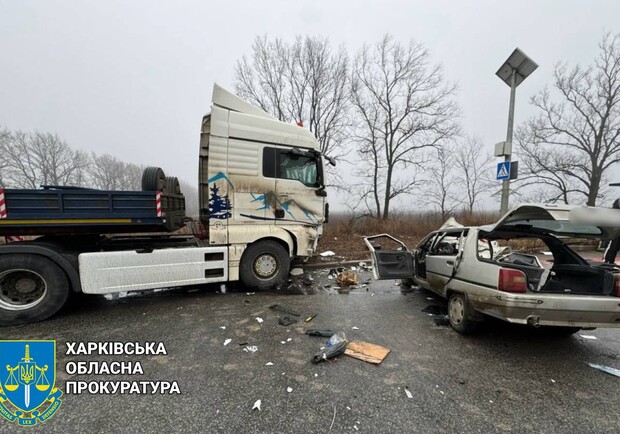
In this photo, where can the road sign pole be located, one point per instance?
(511, 118)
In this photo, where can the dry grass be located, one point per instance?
(343, 234)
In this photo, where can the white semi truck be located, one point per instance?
(262, 198)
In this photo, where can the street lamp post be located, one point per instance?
(513, 71)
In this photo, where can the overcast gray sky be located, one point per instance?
(133, 78)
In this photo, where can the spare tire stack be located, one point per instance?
(153, 179)
(172, 200)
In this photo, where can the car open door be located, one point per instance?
(390, 264)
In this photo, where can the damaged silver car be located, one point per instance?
(493, 270)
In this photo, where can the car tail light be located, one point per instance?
(511, 280)
(617, 289)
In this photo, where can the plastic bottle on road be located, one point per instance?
(336, 339)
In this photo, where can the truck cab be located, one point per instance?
(261, 180)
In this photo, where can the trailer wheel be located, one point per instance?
(153, 179)
(32, 288)
(264, 265)
(172, 185)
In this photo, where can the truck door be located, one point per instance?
(390, 264)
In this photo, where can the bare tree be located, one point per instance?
(580, 133)
(302, 82)
(440, 190)
(42, 159)
(474, 167)
(403, 106)
(109, 173)
(5, 138)
(546, 171)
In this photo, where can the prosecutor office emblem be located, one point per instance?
(27, 381)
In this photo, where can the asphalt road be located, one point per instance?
(504, 379)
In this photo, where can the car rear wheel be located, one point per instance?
(460, 313)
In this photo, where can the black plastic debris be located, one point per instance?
(330, 352)
(435, 309)
(284, 309)
(319, 332)
(442, 320)
(287, 320)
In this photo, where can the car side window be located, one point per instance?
(447, 244)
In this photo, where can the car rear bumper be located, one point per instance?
(550, 309)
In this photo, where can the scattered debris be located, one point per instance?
(552, 380)
(347, 278)
(259, 319)
(223, 288)
(284, 309)
(286, 320)
(307, 280)
(335, 346)
(251, 349)
(310, 317)
(327, 253)
(250, 293)
(289, 339)
(297, 272)
(333, 418)
(268, 364)
(316, 375)
(408, 393)
(223, 327)
(289, 389)
(589, 337)
(353, 268)
(319, 332)
(607, 369)
(242, 344)
(227, 341)
(367, 352)
(355, 428)
(257, 405)
(355, 328)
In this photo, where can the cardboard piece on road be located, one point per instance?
(370, 353)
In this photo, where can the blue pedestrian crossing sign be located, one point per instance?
(503, 171)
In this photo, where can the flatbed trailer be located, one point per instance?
(53, 210)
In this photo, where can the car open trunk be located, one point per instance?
(569, 273)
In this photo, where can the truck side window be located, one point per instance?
(279, 163)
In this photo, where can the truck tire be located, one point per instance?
(172, 185)
(32, 288)
(264, 265)
(459, 313)
(153, 179)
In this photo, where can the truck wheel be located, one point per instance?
(153, 179)
(459, 312)
(264, 265)
(32, 288)
(172, 185)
